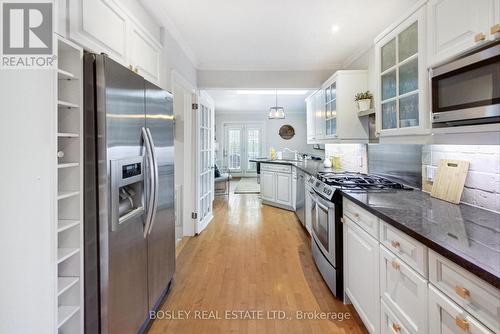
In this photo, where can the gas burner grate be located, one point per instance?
(357, 181)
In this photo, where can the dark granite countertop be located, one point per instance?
(464, 234)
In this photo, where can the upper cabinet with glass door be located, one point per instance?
(331, 110)
(401, 97)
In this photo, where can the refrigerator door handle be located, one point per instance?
(156, 181)
(150, 205)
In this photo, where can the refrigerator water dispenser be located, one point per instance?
(127, 190)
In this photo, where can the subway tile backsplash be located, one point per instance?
(482, 186)
(353, 156)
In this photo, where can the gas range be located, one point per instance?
(326, 183)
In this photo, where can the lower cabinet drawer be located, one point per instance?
(405, 247)
(276, 168)
(404, 290)
(446, 317)
(389, 323)
(475, 296)
(363, 218)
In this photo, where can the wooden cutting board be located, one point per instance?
(450, 179)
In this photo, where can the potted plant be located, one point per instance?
(364, 100)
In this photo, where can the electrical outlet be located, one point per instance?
(430, 171)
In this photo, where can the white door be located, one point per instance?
(361, 274)
(242, 142)
(204, 112)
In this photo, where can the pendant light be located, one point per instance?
(276, 112)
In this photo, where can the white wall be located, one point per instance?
(175, 59)
(482, 186)
(271, 128)
(365, 61)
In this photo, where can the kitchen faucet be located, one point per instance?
(297, 155)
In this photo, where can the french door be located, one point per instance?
(204, 112)
(242, 142)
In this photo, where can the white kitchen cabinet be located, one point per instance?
(276, 185)
(446, 317)
(311, 118)
(401, 94)
(145, 54)
(103, 26)
(456, 26)
(315, 117)
(341, 120)
(474, 295)
(404, 291)
(319, 115)
(361, 274)
(389, 322)
(267, 186)
(283, 189)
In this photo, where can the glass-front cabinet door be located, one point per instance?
(331, 110)
(402, 77)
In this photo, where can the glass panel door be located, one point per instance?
(331, 110)
(205, 162)
(399, 80)
(242, 142)
(254, 145)
(234, 148)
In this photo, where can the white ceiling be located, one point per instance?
(229, 101)
(275, 34)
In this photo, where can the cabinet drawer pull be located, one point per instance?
(356, 215)
(395, 244)
(462, 323)
(462, 292)
(494, 29)
(479, 37)
(395, 265)
(396, 327)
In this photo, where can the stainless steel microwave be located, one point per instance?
(467, 91)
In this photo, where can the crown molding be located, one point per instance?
(355, 56)
(163, 20)
(270, 68)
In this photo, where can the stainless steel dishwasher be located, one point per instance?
(300, 196)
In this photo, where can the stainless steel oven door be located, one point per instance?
(323, 227)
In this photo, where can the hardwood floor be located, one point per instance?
(252, 257)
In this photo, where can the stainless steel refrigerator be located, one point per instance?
(129, 197)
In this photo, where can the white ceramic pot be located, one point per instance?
(364, 105)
